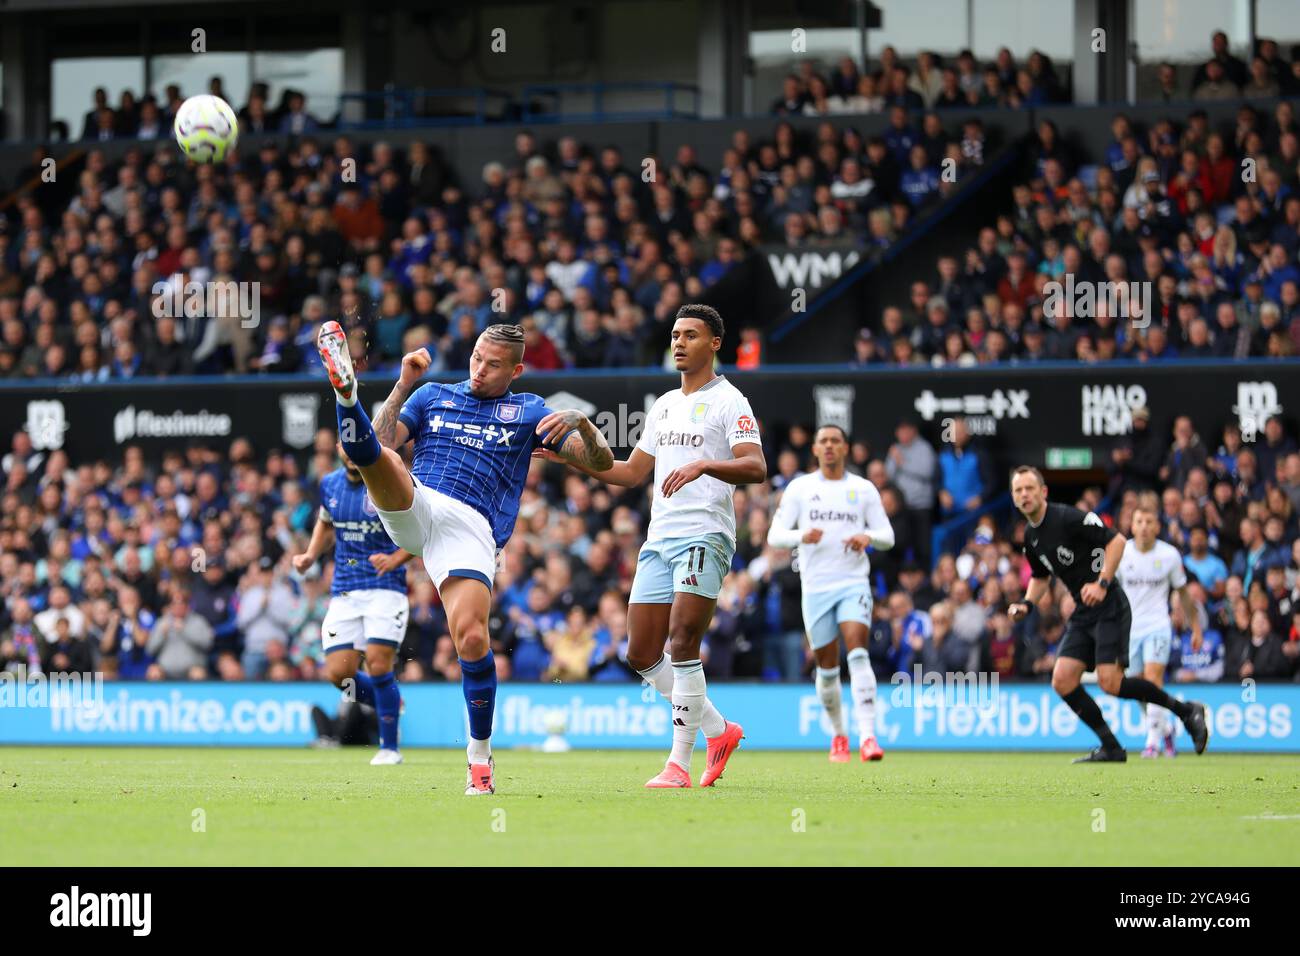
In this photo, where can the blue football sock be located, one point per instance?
(357, 434)
(478, 679)
(388, 701)
(363, 688)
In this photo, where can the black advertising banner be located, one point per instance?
(1065, 416)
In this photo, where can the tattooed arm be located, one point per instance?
(583, 445)
(390, 430)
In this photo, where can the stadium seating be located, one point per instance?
(567, 239)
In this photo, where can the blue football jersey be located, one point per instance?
(474, 450)
(358, 533)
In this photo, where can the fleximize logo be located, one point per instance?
(131, 423)
(75, 909)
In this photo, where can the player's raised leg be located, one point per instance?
(468, 602)
(389, 483)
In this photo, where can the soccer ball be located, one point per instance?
(206, 128)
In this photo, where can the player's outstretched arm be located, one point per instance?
(581, 443)
(389, 429)
(626, 474)
(322, 538)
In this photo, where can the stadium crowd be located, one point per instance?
(930, 83)
(180, 568)
(1205, 220)
(565, 238)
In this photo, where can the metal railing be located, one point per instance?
(423, 106)
(405, 108)
(942, 534)
(598, 96)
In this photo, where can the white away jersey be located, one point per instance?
(680, 429)
(840, 509)
(1147, 579)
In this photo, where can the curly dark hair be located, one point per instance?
(706, 314)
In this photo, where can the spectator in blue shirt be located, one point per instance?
(725, 257)
(1275, 445)
(1275, 270)
(528, 628)
(126, 639)
(1202, 664)
(1256, 555)
(920, 181)
(900, 136)
(1121, 130)
(1224, 461)
(1208, 567)
(964, 470)
(609, 657)
(912, 629)
(1043, 641)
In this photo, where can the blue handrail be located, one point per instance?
(401, 108)
(940, 534)
(406, 107)
(598, 92)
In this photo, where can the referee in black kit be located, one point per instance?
(1084, 554)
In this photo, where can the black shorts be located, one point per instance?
(1099, 635)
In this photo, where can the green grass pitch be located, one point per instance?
(100, 806)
